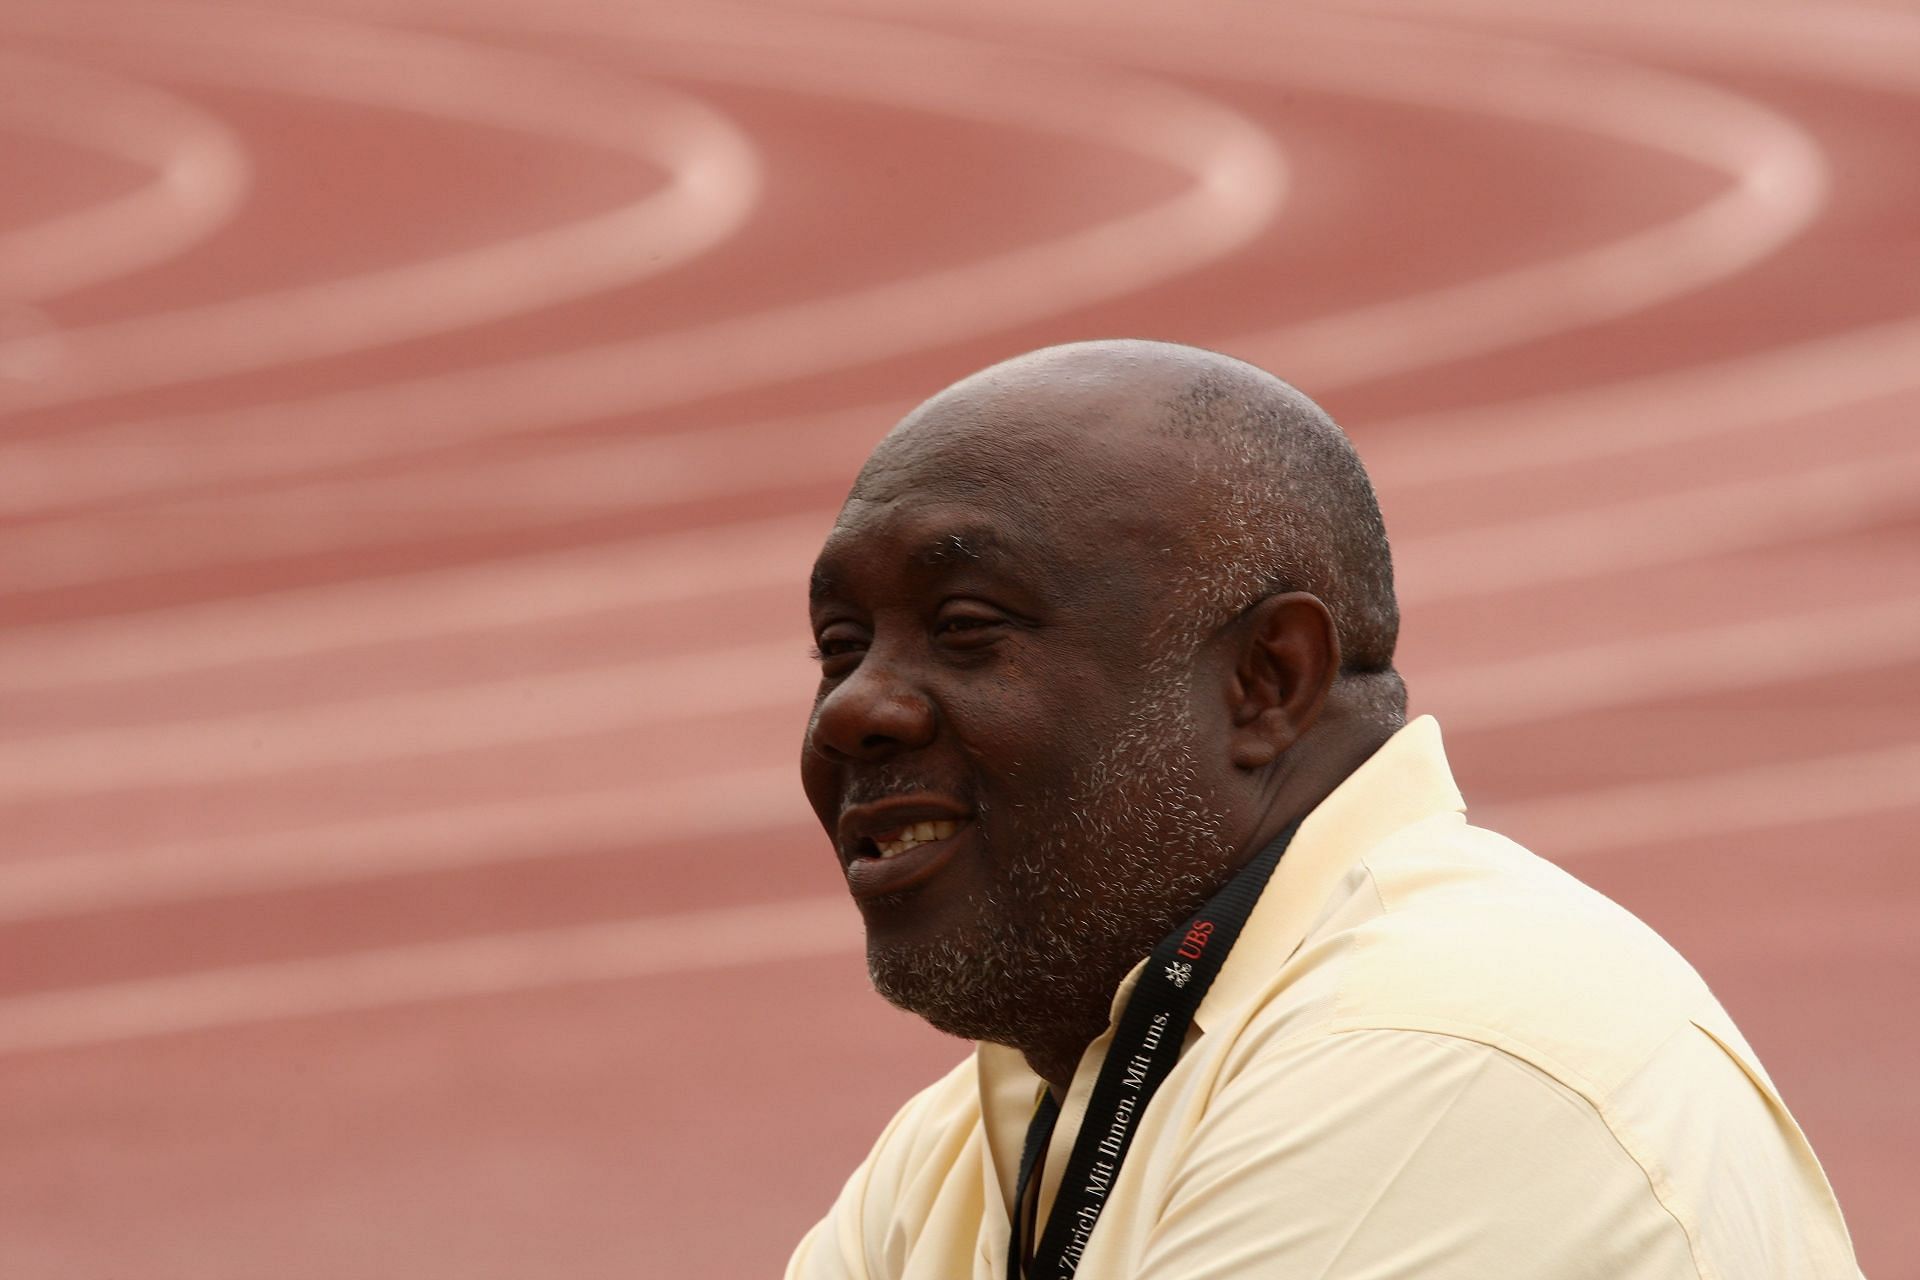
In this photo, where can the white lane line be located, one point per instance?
(1867, 46)
(1614, 419)
(711, 183)
(1420, 450)
(1778, 180)
(1780, 186)
(521, 493)
(283, 625)
(769, 554)
(1739, 394)
(722, 937)
(273, 1008)
(1584, 824)
(1756, 798)
(1236, 183)
(733, 805)
(143, 461)
(200, 172)
(1778, 170)
(396, 727)
(1690, 524)
(763, 796)
(1697, 662)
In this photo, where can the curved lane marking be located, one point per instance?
(1690, 524)
(1865, 45)
(712, 183)
(200, 173)
(630, 476)
(1778, 171)
(1614, 419)
(575, 482)
(690, 564)
(1237, 183)
(1819, 790)
(549, 587)
(1778, 183)
(1754, 798)
(1840, 344)
(1473, 697)
(737, 804)
(428, 972)
(542, 708)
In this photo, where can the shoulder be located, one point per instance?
(1368, 1151)
(1451, 957)
(1462, 932)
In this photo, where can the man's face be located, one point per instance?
(1003, 746)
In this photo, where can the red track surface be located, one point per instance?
(419, 415)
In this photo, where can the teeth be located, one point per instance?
(894, 843)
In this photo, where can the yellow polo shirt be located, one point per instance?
(1431, 1054)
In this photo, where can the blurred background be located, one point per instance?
(419, 416)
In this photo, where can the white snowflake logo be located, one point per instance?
(1178, 973)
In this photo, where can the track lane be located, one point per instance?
(1852, 764)
(1236, 180)
(711, 183)
(199, 176)
(1635, 533)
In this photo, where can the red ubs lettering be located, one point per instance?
(1196, 940)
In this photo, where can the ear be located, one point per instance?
(1287, 659)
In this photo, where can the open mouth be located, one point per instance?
(891, 844)
(904, 857)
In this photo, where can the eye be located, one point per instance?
(968, 624)
(837, 648)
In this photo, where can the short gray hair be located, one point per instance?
(1292, 510)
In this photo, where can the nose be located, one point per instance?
(871, 714)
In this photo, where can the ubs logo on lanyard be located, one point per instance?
(1191, 947)
(1196, 940)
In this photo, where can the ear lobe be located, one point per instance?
(1287, 661)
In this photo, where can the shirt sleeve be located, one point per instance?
(836, 1246)
(1389, 1153)
(877, 1212)
(833, 1250)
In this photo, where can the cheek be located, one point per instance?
(1025, 732)
(820, 780)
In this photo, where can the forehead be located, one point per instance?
(931, 540)
(1049, 500)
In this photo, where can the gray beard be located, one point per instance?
(1108, 871)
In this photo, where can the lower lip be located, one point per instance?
(877, 877)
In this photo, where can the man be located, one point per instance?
(1104, 631)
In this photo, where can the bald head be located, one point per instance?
(1112, 615)
(1246, 484)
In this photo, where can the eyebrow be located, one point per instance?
(972, 546)
(967, 546)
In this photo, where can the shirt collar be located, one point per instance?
(1405, 781)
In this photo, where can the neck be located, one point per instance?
(1056, 1068)
(1299, 780)
(1290, 789)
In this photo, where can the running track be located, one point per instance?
(419, 415)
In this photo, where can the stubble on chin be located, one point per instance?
(1131, 851)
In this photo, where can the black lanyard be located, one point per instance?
(1146, 1044)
